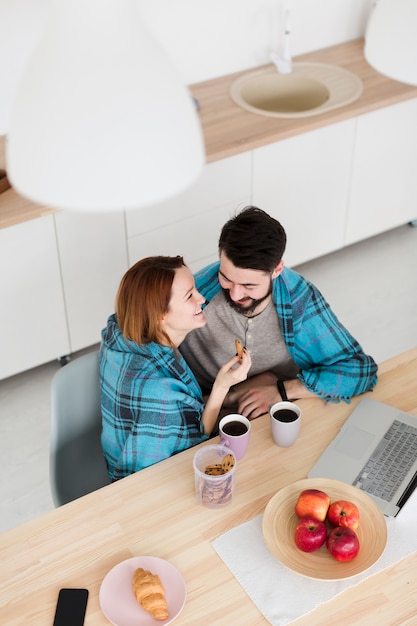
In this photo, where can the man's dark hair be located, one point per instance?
(253, 240)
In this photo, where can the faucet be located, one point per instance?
(283, 62)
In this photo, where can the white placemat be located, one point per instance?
(275, 590)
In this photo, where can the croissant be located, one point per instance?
(150, 593)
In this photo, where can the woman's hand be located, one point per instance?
(234, 371)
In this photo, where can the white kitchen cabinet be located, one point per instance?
(93, 256)
(32, 312)
(383, 188)
(189, 224)
(304, 183)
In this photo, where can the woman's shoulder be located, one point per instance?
(142, 365)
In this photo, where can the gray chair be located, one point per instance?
(77, 465)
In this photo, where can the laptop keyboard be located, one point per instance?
(390, 462)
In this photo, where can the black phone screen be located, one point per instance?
(71, 607)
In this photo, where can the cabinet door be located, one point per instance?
(189, 224)
(92, 250)
(384, 189)
(33, 327)
(304, 182)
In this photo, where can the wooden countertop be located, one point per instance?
(229, 130)
(154, 512)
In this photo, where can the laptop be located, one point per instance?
(376, 451)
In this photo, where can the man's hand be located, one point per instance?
(256, 401)
(259, 381)
(253, 397)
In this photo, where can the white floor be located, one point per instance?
(371, 286)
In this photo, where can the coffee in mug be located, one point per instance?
(285, 415)
(235, 428)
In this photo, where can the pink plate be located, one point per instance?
(118, 602)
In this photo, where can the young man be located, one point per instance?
(298, 346)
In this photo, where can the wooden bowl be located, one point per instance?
(280, 520)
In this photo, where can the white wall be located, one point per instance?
(210, 38)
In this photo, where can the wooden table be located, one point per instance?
(154, 512)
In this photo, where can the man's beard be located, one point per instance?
(246, 309)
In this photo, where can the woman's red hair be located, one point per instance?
(143, 298)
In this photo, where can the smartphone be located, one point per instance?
(71, 607)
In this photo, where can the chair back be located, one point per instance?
(77, 465)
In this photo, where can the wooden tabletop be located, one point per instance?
(229, 129)
(154, 513)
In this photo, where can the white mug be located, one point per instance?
(285, 423)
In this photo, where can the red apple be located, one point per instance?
(343, 543)
(310, 534)
(312, 503)
(343, 513)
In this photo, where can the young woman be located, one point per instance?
(152, 406)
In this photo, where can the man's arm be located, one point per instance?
(332, 364)
(253, 397)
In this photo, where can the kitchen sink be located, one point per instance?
(310, 89)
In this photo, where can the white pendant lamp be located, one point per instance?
(21, 25)
(391, 39)
(101, 120)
